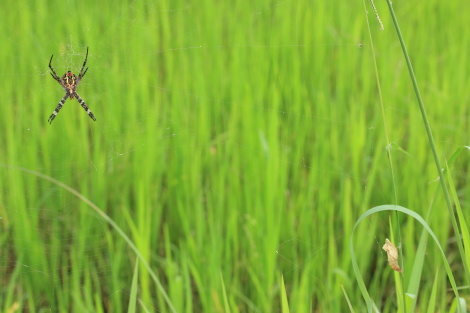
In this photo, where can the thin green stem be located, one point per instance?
(431, 140)
(379, 89)
(388, 146)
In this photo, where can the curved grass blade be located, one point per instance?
(107, 219)
(417, 217)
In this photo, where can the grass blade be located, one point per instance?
(351, 309)
(284, 301)
(133, 298)
(107, 219)
(432, 299)
(226, 303)
(463, 225)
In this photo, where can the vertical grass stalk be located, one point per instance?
(388, 148)
(431, 140)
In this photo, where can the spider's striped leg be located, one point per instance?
(84, 106)
(81, 74)
(57, 109)
(53, 73)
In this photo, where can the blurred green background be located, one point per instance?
(236, 144)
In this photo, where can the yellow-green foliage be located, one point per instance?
(235, 143)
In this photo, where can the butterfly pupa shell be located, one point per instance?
(392, 254)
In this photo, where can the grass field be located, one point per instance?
(236, 145)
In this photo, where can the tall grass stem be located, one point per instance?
(431, 139)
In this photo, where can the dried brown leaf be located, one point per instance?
(392, 254)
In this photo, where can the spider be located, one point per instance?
(70, 83)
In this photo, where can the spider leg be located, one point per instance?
(84, 106)
(57, 109)
(56, 78)
(82, 73)
(54, 74)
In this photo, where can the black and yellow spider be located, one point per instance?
(70, 83)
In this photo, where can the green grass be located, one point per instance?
(236, 145)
